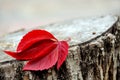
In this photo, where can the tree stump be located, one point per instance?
(94, 52)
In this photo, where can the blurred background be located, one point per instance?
(18, 14)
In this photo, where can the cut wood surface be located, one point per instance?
(94, 52)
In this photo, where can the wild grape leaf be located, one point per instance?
(38, 49)
(58, 55)
(33, 37)
(41, 49)
(43, 63)
(33, 44)
(63, 52)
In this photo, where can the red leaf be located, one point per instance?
(33, 37)
(43, 63)
(36, 50)
(63, 52)
(57, 54)
(41, 49)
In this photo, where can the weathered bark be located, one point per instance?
(94, 52)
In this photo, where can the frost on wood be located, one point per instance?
(94, 52)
